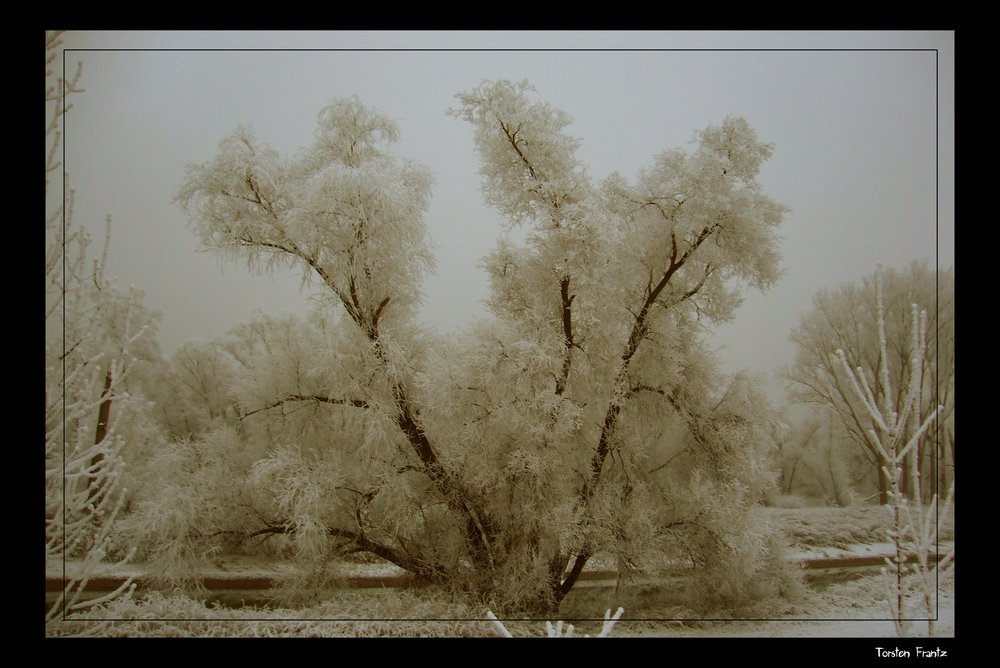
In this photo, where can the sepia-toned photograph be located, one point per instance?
(487, 334)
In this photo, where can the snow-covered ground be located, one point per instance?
(855, 608)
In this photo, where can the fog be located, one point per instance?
(863, 127)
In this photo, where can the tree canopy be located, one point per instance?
(584, 417)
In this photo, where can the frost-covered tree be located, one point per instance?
(191, 389)
(817, 459)
(897, 428)
(585, 417)
(95, 331)
(846, 319)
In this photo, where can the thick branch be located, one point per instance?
(639, 330)
(406, 420)
(512, 138)
(567, 318)
(289, 246)
(401, 559)
(475, 530)
(103, 416)
(574, 575)
(378, 312)
(434, 574)
(358, 403)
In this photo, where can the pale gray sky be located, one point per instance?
(863, 125)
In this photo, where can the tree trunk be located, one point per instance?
(103, 414)
(906, 484)
(883, 482)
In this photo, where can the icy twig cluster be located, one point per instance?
(557, 630)
(85, 374)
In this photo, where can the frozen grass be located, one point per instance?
(842, 527)
(387, 613)
(420, 612)
(855, 608)
(854, 598)
(427, 612)
(395, 613)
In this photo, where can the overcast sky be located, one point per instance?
(863, 125)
